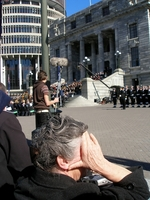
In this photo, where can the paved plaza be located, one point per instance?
(124, 135)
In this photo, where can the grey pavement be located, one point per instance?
(124, 135)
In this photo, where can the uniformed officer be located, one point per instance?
(127, 95)
(123, 97)
(132, 96)
(145, 96)
(148, 94)
(138, 96)
(114, 97)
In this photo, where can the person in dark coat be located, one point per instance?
(123, 97)
(148, 96)
(114, 97)
(127, 95)
(14, 150)
(62, 152)
(132, 96)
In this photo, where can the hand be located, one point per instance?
(56, 100)
(91, 154)
(92, 158)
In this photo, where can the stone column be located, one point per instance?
(94, 70)
(101, 53)
(70, 75)
(112, 54)
(82, 55)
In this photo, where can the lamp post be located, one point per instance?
(86, 60)
(117, 54)
(44, 35)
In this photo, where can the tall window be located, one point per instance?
(105, 11)
(133, 30)
(106, 44)
(57, 53)
(135, 56)
(88, 18)
(73, 24)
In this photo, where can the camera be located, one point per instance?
(96, 179)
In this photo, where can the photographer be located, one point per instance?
(62, 152)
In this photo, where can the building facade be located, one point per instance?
(21, 40)
(108, 35)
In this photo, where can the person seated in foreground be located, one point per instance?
(14, 150)
(62, 152)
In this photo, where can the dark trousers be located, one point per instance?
(123, 101)
(132, 101)
(42, 118)
(114, 101)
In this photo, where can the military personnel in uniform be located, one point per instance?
(123, 97)
(145, 96)
(127, 95)
(138, 93)
(114, 97)
(142, 96)
(148, 94)
(120, 97)
(132, 96)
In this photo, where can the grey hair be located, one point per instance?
(59, 137)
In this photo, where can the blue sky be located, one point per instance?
(73, 6)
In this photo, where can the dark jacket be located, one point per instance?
(38, 96)
(42, 185)
(14, 152)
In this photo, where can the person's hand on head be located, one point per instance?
(91, 154)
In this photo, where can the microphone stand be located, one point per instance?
(59, 88)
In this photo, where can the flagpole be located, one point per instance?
(90, 2)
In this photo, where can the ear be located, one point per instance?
(62, 162)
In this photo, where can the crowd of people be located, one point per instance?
(61, 152)
(66, 91)
(131, 97)
(21, 105)
(101, 75)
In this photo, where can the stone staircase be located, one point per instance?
(80, 101)
(97, 90)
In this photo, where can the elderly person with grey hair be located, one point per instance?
(62, 151)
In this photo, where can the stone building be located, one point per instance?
(110, 34)
(20, 42)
